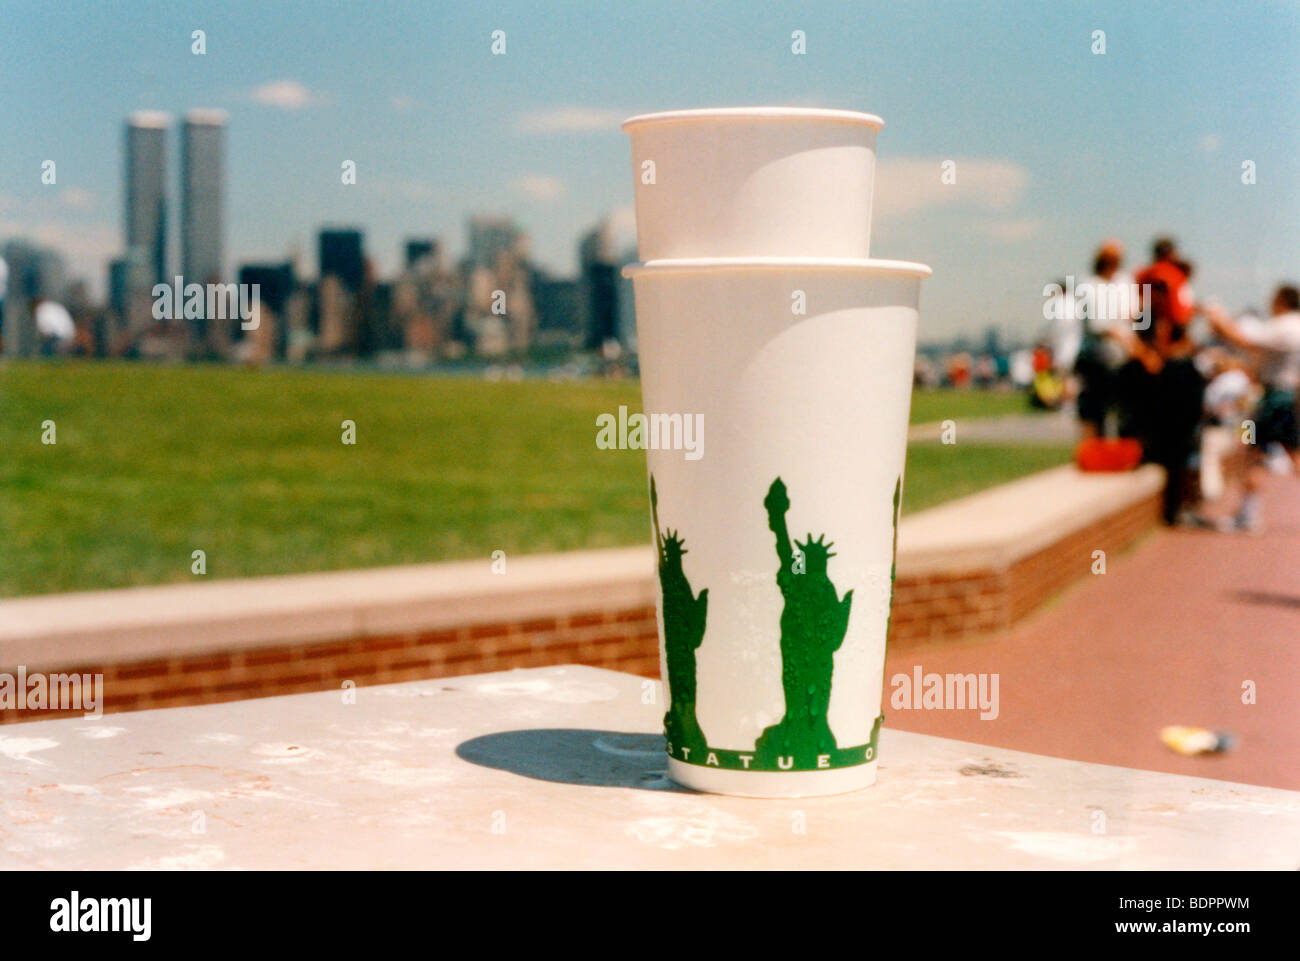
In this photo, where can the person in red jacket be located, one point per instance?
(1161, 387)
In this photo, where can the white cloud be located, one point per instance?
(542, 187)
(402, 103)
(905, 185)
(286, 95)
(1210, 143)
(571, 120)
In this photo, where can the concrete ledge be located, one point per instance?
(993, 529)
(564, 767)
(232, 615)
(971, 567)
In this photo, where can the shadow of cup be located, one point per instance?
(575, 756)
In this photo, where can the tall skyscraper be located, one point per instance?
(559, 309)
(203, 134)
(342, 256)
(418, 249)
(275, 286)
(34, 273)
(129, 298)
(275, 283)
(146, 197)
(599, 281)
(490, 236)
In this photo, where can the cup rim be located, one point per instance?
(703, 264)
(754, 113)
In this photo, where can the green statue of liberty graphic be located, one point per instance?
(684, 615)
(813, 624)
(893, 564)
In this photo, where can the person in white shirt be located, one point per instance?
(1107, 306)
(1065, 331)
(1276, 342)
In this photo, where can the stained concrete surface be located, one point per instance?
(562, 767)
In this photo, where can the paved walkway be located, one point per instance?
(1061, 427)
(1167, 636)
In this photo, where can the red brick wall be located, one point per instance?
(940, 606)
(949, 607)
(1039, 576)
(925, 608)
(622, 640)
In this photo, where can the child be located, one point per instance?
(1276, 341)
(1229, 397)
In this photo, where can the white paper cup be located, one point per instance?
(798, 424)
(753, 182)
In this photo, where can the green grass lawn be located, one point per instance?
(929, 406)
(153, 462)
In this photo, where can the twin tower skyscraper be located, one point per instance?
(201, 194)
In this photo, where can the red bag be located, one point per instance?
(1108, 454)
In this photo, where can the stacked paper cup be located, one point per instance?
(770, 338)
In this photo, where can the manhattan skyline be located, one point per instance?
(1055, 147)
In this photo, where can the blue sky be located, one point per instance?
(1056, 147)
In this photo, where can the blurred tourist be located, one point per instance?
(925, 373)
(1229, 397)
(1161, 389)
(1048, 389)
(1066, 330)
(1276, 344)
(1021, 369)
(959, 370)
(1107, 318)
